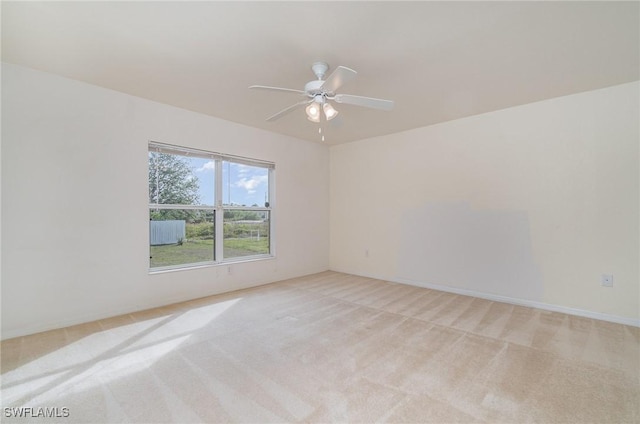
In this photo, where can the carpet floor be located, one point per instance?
(328, 347)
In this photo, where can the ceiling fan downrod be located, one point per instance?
(320, 69)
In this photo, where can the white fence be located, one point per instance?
(166, 232)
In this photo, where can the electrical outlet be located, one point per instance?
(607, 280)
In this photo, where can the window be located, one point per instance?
(207, 207)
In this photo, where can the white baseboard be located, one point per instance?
(511, 300)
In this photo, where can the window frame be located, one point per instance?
(218, 208)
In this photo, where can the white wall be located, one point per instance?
(530, 204)
(74, 202)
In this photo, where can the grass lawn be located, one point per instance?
(235, 247)
(194, 251)
(187, 253)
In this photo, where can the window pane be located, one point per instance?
(246, 233)
(181, 180)
(181, 236)
(244, 185)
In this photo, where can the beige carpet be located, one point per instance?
(329, 347)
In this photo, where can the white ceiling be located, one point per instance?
(437, 60)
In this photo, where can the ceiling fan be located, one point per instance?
(319, 92)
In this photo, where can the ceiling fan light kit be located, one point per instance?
(313, 112)
(329, 111)
(320, 91)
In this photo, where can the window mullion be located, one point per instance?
(219, 215)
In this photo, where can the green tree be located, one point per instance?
(242, 215)
(171, 181)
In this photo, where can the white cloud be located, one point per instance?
(250, 184)
(209, 166)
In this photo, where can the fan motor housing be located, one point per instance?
(313, 88)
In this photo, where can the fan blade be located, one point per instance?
(338, 77)
(288, 110)
(264, 87)
(364, 101)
